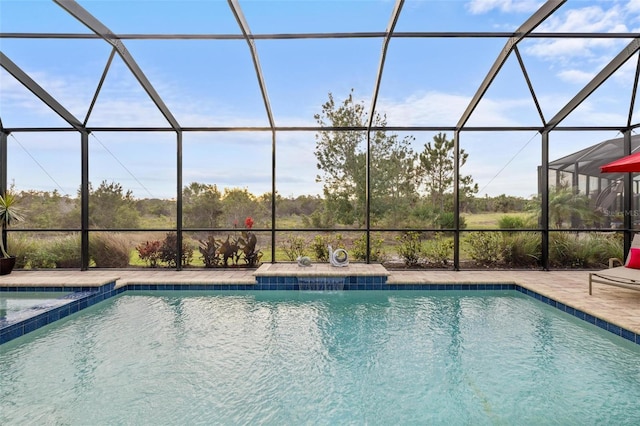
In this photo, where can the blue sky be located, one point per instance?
(427, 82)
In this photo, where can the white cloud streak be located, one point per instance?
(581, 53)
(477, 7)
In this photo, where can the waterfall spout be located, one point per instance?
(321, 283)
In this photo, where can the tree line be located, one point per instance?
(406, 188)
(204, 206)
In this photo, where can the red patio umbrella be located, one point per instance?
(630, 163)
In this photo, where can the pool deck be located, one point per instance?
(615, 305)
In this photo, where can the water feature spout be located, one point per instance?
(321, 283)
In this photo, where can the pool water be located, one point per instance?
(320, 358)
(14, 301)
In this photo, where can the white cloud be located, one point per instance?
(577, 60)
(566, 49)
(436, 108)
(506, 6)
(626, 72)
(16, 102)
(623, 75)
(445, 109)
(586, 19)
(633, 6)
(575, 76)
(591, 112)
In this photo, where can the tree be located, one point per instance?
(49, 209)
(201, 206)
(238, 204)
(156, 207)
(436, 170)
(341, 158)
(111, 207)
(302, 205)
(393, 177)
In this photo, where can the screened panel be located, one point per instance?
(429, 82)
(316, 16)
(204, 83)
(43, 170)
(500, 179)
(315, 69)
(573, 204)
(127, 167)
(226, 176)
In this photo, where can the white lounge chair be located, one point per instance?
(619, 276)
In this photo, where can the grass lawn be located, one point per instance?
(488, 220)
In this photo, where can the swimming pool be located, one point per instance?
(278, 357)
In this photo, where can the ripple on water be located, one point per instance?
(294, 358)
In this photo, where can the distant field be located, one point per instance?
(473, 220)
(487, 220)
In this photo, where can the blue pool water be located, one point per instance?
(320, 358)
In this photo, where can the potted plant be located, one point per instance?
(9, 213)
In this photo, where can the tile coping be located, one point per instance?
(320, 270)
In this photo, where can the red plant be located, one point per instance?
(150, 252)
(248, 222)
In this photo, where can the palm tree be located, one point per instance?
(565, 205)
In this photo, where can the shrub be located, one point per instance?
(568, 250)
(377, 252)
(293, 247)
(610, 246)
(484, 247)
(317, 220)
(446, 220)
(43, 257)
(521, 249)
(247, 245)
(376, 248)
(228, 249)
(320, 247)
(423, 212)
(410, 248)
(512, 222)
(66, 251)
(22, 248)
(584, 254)
(149, 252)
(209, 252)
(110, 250)
(214, 252)
(440, 249)
(169, 251)
(560, 249)
(359, 251)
